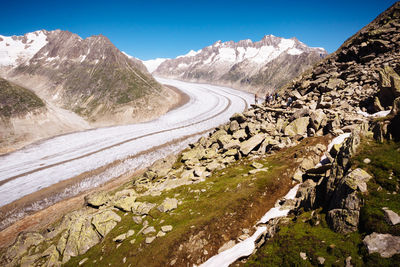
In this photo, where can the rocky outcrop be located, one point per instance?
(384, 244)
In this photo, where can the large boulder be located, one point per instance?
(318, 119)
(344, 207)
(389, 82)
(306, 194)
(297, 127)
(384, 244)
(240, 118)
(125, 203)
(168, 204)
(97, 199)
(104, 221)
(247, 146)
(22, 244)
(142, 208)
(194, 153)
(240, 134)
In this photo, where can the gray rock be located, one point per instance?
(130, 233)
(303, 255)
(142, 208)
(149, 230)
(166, 228)
(307, 194)
(391, 217)
(160, 234)
(97, 199)
(125, 203)
(257, 165)
(367, 161)
(321, 260)
(240, 118)
(384, 244)
(240, 134)
(168, 204)
(105, 221)
(234, 126)
(247, 146)
(120, 238)
(137, 219)
(150, 239)
(297, 127)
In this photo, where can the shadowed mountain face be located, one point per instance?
(89, 76)
(260, 66)
(364, 71)
(16, 100)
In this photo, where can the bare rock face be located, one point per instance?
(89, 76)
(384, 244)
(344, 208)
(267, 64)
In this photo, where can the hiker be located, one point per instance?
(256, 98)
(289, 102)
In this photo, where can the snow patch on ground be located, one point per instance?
(379, 114)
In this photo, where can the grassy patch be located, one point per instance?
(228, 201)
(303, 235)
(383, 188)
(314, 240)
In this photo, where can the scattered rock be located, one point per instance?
(227, 245)
(149, 230)
(367, 161)
(137, 219)
(247, 146)
(257, 165)
(297, 127)
(97, 199)
(130, 233)
(168, 204)
(391, 217)
(125, 203)
(384, 244)
(166, 228)
(321, 260)
(120, 238)
(303, 255)
(105, 221)
(150, 239)
(83, 261)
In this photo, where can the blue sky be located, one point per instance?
(148, 29)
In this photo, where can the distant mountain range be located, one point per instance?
(90, 77)
(254, 66)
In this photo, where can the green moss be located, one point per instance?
(303, 235)
(383, 188)
(314, 240)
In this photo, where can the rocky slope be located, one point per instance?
(254, 66)
(185, 209)
(90, 77)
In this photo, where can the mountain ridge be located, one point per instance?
(244, 64)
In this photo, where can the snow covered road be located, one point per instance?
(121, 149)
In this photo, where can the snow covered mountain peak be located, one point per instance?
(15, 50)
(233, 63)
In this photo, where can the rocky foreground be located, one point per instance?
(186, 208)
